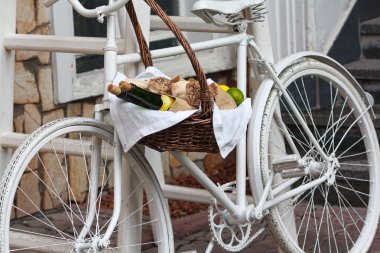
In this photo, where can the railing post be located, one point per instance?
(7, 63)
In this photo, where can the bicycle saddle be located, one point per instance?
(220, 12)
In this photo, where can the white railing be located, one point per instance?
(297, 22)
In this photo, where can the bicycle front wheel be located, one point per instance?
(50, 201)
(341, 214)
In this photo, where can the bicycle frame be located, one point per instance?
(239, 212)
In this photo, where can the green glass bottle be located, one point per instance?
(118, 92)
(152, 100)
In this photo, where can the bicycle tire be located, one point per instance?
(58, 190)
(336, 216)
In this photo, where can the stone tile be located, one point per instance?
(32, 118)
(26, 16)
(18, 123)
(43, 56)
(88, 110)
(45, 87)
(43, 13)
(28, 195)
(74, 110)
(54, 177)
(25, 88)
(25, 55)
(53, 115)
(33, 164)
(78, 177)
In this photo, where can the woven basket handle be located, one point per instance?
(146, 55)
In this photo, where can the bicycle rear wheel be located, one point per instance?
(341, 214)
(46, 195)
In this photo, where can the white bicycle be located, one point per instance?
(312, 162)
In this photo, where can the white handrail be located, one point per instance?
(91, 13)
(49, 3)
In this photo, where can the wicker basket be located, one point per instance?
(194, 134)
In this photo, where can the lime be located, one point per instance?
(223, 87)
(166, 102)
(236, 94)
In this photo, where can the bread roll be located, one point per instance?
(179, 89)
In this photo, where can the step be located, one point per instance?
(371, 47)
(370, 38)
(371, 27)
(367, 69)
(372, 87)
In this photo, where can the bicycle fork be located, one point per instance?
(100, 241)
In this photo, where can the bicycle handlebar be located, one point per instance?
(91, 13)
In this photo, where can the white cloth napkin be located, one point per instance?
(133, 122)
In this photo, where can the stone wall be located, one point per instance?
(34, 101)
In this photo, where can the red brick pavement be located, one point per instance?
(192, 233)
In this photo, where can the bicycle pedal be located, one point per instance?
(288, 162)
(291, 173)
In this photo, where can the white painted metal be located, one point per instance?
(7, 63)
(241, 148)
(253, 148)
(57, 43)
(262, 37)
(11, 140)
(202, 8)
(285, 185)
(186, 193)
(49, 3)
(172, 51)
(99, 11)
(286, 195)
(187, 24)
(206, 182)
(117, 192)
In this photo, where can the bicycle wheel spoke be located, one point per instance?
(64, 206)
(327, 217)
(296, 123)
(350, 127)
(56, 192)
(48, 223)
